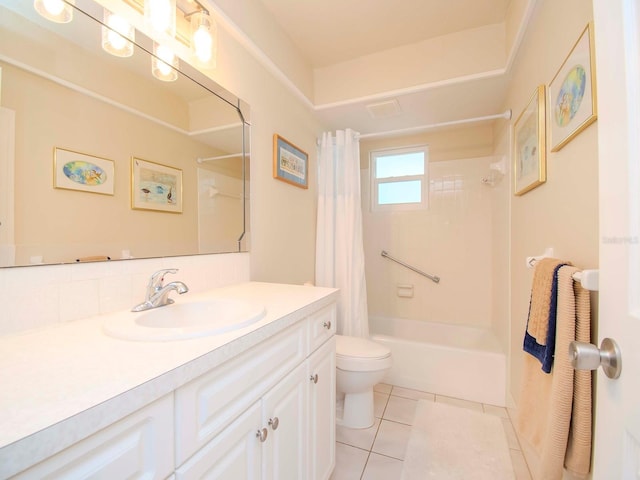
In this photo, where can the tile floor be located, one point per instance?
(377, 453)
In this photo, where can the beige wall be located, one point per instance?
(452, 239)
(283, 217)
(563, 212)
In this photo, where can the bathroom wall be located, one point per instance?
(563, 212)
(452, 239)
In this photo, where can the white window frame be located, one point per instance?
(424, 178)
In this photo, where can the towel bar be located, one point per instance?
(588, 278)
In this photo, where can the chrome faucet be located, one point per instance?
(157, 293)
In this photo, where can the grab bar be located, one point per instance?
(434, 278)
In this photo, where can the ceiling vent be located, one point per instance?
(389, 108)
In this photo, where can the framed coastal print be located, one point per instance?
(529, 145)
(572, 92)
(290, 164)
(155, 186)
(83, 172)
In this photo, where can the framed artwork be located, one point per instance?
(572, 92)
(529, 145)
(290, 164)
(155, 186)
(83, 172)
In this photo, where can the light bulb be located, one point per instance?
(203, 39)
(164, 63)
(161, 15)
(202, 44)
(117, 36)
(55, 10)
(54, 7)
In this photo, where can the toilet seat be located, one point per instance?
(360, 354)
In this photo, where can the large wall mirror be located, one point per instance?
(99, 159)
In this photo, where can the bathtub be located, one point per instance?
(452, 360)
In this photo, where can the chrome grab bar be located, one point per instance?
(434, 278)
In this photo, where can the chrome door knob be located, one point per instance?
(262, 434)
(585, 356)
(274, 422)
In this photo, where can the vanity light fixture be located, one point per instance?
(203, 39)
(160, 15)
(58, 11)
(164, 63)
(118, 35)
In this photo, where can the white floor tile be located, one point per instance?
(496, 411)
(520, 467)
(382, 388)
(379, 403)
(510, 433)
(350, 462)
(413, 394)
(457, 402)
(392, 439)
(400, 410)
(358, 437)
(380, 467)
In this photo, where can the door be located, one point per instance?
(284, 413)
(322, 411)
(617, 427)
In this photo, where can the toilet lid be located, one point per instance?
(356, 347)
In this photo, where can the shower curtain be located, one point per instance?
(339, 247)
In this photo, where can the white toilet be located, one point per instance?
(360, 364)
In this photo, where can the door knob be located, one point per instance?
(585, 356)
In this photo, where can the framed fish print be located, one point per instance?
(572, 92)
(155, 186)
(290, 164)
(81, 171)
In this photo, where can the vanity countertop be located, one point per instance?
(61, 383)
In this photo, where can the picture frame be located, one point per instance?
(572, 92)
(290, 163)
(155, 186)
(529, 145)
(83, 172)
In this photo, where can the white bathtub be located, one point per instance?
(452, 360)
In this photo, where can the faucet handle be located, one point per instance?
(158, 277)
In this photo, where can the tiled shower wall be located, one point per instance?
(452, 239)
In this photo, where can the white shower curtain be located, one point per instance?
(339, 247)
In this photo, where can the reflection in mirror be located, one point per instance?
(61, 92)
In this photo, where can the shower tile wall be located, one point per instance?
(452, 239)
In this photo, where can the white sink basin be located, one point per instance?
(185, 320)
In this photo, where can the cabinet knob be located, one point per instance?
(314, 378)
(274, 422)
(327, 325)
(262, 434)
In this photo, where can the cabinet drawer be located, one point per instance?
(138, 446)
(322, 325)
(209, 403)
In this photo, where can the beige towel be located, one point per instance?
(554, 413)
(538, 322)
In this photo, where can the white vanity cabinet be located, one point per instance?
(284, 395)
(138, 446)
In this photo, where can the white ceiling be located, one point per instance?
(327, 32)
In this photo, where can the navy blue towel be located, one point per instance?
(545, 353)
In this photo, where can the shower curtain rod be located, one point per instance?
(504, 115)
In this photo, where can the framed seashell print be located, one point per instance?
(572, 92)
(81, 171)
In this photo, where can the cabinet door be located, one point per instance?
(322, 411)
(284, 413)
(235, 454)
(138, 446)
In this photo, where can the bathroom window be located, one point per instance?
(399, 179)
